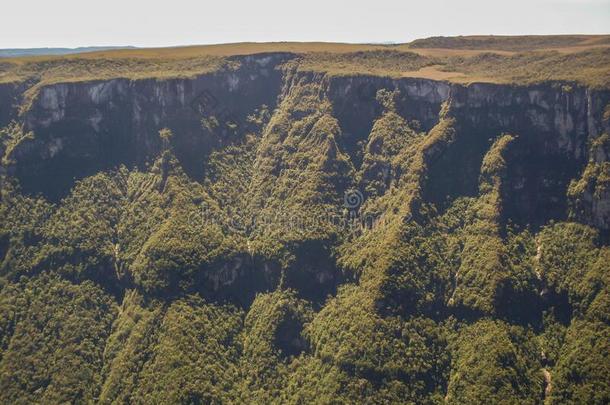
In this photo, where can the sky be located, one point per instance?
(73, 23)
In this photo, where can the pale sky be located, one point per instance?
(73, 23)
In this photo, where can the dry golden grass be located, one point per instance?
(590, 67)
(434, 73)
(520, 43)
(218, 50)
(579, 58)
(497, 44)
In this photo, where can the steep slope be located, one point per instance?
(269, 231)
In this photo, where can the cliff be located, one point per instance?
(362, 225)
(83, 127)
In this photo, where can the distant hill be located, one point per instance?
(518, 43)
(10, 53)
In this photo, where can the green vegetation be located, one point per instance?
(53, 336)
(10, 138)
(261, 282)
(582, 369)
(381, 62)
(496, 363)
(193, 357)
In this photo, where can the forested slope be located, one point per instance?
(273, 230)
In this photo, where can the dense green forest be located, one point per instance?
(443, 251)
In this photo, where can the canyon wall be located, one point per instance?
(83, 127)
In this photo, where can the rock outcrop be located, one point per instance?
(83, 127)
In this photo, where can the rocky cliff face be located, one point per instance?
(81, 128)
(554, 125)
(8, 102)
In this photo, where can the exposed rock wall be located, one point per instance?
(555, 125)
(8, 102)
(85, 127)
(82, 128)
